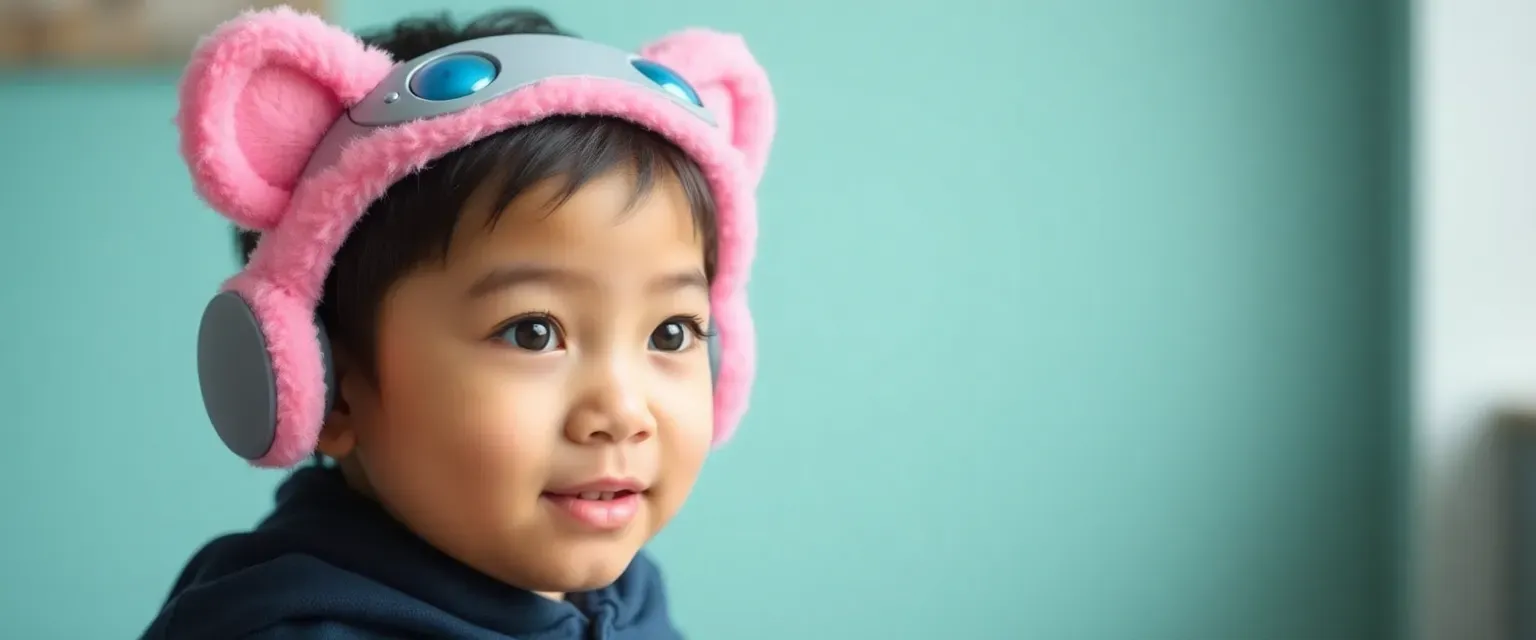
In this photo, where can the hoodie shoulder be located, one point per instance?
(327, 563)
(294, 596)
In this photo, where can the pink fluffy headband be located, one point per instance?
(292, 127)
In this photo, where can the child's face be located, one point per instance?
(551, 350)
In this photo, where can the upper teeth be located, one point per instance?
(596, 495)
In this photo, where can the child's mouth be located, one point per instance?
(608, 504)
(601, 495)
(601, 510)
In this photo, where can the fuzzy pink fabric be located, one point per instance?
(260, 92)
(263, 89)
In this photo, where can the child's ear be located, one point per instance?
(731, 85)
(338, 436)
(337, 440)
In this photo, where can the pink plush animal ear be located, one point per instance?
(729, 82)
(260, 92)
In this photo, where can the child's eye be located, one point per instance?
(538, 334)
(676, 334)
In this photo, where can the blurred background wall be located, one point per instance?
(1081, 320)
(1474, 273)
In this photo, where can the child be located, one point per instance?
(499, 293)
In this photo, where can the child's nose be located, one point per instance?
(613, 411)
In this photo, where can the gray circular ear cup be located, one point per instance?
(328, 364)
(234, 369)
(713, 343)
(235, 372)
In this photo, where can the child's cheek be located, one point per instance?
(496, 425)
(483, 427)
(506, 420)
(687, 426)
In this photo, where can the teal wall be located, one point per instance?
(1075, 319)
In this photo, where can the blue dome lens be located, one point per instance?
(668, 80)
(452, 77)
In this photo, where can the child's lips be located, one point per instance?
(601, 485)
(599, 510)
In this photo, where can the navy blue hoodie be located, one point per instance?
(329, 563)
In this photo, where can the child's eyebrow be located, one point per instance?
(516, 275)
(691, 279)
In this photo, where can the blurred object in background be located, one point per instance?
(114, 32)
(1517, 518)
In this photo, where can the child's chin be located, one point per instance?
(576, 568)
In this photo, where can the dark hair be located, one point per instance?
(414, 221)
